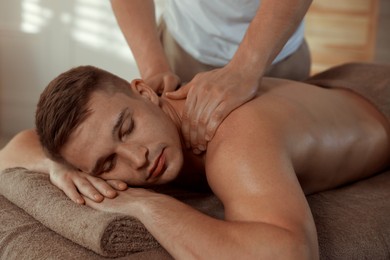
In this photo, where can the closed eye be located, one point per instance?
(109, 164)
(128, 130)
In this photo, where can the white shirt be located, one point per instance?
(211, 30)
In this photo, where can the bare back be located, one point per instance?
(334, 136)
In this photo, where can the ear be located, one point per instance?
(140, 87)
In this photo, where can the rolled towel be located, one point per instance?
(107, 234)
(23, 237)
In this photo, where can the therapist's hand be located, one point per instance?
(163, 82)
(211, 96)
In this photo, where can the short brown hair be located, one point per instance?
(63, 105)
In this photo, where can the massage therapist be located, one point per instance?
(222, 48)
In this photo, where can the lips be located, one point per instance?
(158, 167)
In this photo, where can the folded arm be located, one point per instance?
(189, 234)
(24, 150)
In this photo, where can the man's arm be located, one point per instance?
(259, 186)
(24, 150)
(136, 18)
(273, 25)
(266, 213)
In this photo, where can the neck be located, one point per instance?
(194, 164)
(173, 109)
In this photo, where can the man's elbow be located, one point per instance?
(20, 139)
(284, 244)
(299, 246)
(11, 151)
(293, 245)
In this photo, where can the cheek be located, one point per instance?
(120, 172)
(174, 163)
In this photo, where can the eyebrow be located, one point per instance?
(114, 133)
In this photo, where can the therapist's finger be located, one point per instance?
(187, 116)
(204, 122)
(198, 123)
(170, 84)
(216, 118)
(181, 93)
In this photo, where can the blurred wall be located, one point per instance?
(41, 38)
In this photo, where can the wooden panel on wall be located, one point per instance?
(341, 31)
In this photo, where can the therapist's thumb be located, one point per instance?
(181, 93)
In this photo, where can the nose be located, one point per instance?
(136, 155)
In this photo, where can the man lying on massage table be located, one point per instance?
(292, 139)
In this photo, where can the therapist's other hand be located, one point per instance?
(163, 82)
(76, 184)
(211, 96)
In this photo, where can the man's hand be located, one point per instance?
(127, 202)
(211, 96)
(76, 184)
(163, 82)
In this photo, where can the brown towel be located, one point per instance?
(369, 80)
(107, 234)
(23, 237)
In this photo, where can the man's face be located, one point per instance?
(126, 138)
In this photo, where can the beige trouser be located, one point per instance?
(295, 67)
